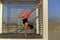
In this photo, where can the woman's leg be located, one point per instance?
(37, 6)
(26, 24)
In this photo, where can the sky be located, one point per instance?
(16, 8)
(13, 9)
(54, 10)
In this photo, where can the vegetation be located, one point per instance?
(53, 26)
(13, 25)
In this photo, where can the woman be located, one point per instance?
(26, 15)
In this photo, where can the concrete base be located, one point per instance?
(20, 36)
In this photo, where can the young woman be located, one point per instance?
(26, 15)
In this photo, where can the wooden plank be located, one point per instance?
(19, 0)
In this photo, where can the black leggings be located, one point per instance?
(25, 20)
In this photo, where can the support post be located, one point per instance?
(37, 23)
(1, 5)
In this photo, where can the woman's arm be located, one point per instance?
(21, 15)
(37, 6)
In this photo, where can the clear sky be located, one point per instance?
(13, 9)
(54, 8)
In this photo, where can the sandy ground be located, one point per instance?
(54, 35)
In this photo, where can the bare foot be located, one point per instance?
(25, 33)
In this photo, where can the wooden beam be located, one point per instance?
(1, 17)
(20, 0)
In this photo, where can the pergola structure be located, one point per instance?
(39, 12)
(40, 22)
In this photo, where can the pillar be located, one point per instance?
(37, 23)
(1, 17)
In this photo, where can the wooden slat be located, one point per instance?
(18, 0)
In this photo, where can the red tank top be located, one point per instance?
(26, 15)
